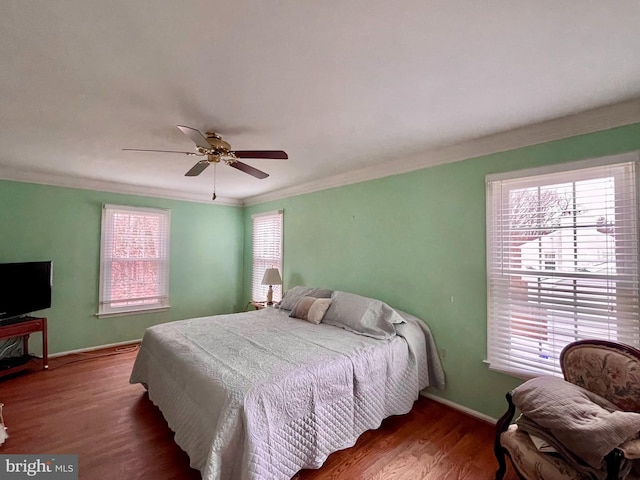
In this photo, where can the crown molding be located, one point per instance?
(31, 176)
(588, 121)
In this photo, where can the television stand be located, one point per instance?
(23, 327)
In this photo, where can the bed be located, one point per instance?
(260, 395)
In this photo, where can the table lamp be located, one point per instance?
(271, 277)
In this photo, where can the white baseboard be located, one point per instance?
(98, 347)
(457, 406)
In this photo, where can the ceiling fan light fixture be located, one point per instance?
(216, 150)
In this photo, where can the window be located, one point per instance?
(134, 260)
(562, 261)
(267, 252)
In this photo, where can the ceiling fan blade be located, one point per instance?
(197, 169)
(243, 167)
(160, 151)
(195, 136)
(271, 154)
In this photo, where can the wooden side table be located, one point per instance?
(24, 327)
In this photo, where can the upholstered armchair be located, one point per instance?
(591, 418)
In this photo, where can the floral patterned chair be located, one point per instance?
(611, 371)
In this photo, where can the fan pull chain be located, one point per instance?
(214, 196)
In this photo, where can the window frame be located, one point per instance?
(105, 308)
(575, 172)
(259, 291)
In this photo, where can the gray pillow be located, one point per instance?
(587, 424)
(293, 296)
(362, 315)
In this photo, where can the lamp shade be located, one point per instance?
(271, 277)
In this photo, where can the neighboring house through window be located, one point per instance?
(134, 260)
(562, 261)
(267, 253)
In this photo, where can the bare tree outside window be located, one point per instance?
(135, 269)
(534, 212)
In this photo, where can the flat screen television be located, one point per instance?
(24, 288)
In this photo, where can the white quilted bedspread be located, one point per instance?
(259, 395)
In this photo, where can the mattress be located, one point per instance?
(260, 395)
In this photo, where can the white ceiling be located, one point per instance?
(340, 85)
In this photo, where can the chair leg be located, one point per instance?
(502, 469)
(613, 462)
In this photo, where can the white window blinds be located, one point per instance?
(134, 259)
(562, 254)
(267, 252)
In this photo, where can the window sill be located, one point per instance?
(131, 312)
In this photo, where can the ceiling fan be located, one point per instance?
(216, 150)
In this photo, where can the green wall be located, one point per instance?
(39, 222)
(417, 241)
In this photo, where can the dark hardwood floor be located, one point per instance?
(84, 405)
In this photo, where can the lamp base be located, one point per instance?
(270, 296)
